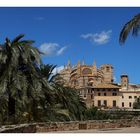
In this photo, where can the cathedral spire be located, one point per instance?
(69, 64)
(78, 63)
(94, 63)
(83, 62)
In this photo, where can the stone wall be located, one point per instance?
(58, 126)
(68, 126)
(99, 124)
(22, 128)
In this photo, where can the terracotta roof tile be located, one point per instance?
(109, 85)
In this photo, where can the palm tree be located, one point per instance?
(73, 102)
(132, 25)
(28, 88)
(19, 80)
(65, 100)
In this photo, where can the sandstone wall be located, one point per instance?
(22, 128)
(68, 126)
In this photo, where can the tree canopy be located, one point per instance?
(28, 89)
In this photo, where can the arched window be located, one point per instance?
(86, 71)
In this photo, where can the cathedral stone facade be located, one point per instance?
(83, 75)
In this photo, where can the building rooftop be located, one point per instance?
(107, 85)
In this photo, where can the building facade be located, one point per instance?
(129, 93)
(106, 95)
(97, 88)
(82, 75)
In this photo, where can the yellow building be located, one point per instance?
(128, 97)
(106, 95)
(129, 93)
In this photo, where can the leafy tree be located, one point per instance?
(132, 25)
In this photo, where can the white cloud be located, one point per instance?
(52, 49)
(98, 38)
(49, 49)
(57, 69)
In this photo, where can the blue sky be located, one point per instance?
(77, 34)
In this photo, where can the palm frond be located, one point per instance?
(7, 43)
(133, 25)
(26, 42)
(15, 40)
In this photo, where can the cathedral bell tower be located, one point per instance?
(124, 81)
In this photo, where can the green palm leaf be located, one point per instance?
(133, 25)
(16, 39)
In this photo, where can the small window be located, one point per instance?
(105, 103)
(122, 96)
(91, 96)
(130, 104)
(99, 94)
(114, 94)
(135, 97)
(103, 89)
(109, 89)
(130, 97)
(104, 94)
(99, 103)
(114, 103)
(107, 69)
(98, 89)
(122, 104)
